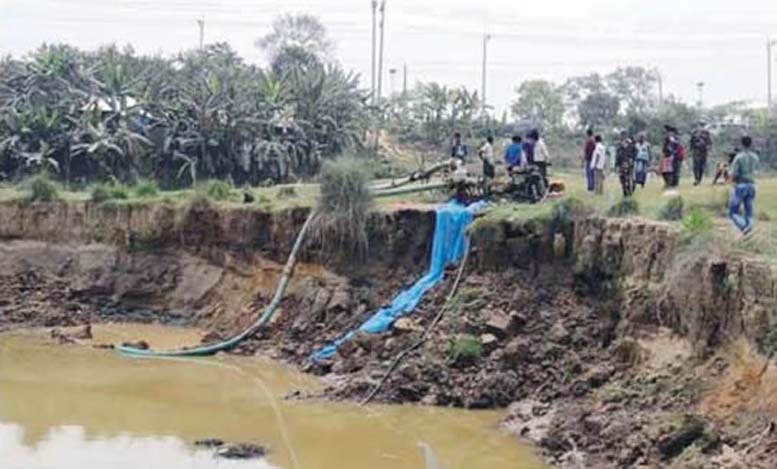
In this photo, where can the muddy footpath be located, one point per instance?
(607, 344)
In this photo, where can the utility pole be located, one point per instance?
(404, 80)
(660, 80)
(380, 51)
(769, 44)
(700, 88)
(379, 92)
(374, 46)
(392, 75)
(486, 38)
(201, 24)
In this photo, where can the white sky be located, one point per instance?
(719, 42)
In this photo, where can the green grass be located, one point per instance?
(712, 200)
(673, 209)
(146, 190)
(220, 190)
(698, 221)
(41, 188)
(465, 346)
(101, 193)
(624, 208)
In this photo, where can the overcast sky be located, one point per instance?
(719, 42)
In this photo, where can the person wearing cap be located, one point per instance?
(700, 144)
(743, 194)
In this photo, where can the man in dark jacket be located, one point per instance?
(625, 157)
(700, 144)
(588, 153)
(459, 150)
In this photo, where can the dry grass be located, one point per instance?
(343, 207)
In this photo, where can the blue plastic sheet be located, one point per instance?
(448, 247)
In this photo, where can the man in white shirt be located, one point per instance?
(541, 155)
(486, 155)
(599, 163)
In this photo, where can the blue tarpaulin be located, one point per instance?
(448, 247)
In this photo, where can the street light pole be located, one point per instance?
(382, 26)
(404, 80)
(392, 75)
(660, 81)
(374, 45)
(201, 25)
(700, 86)
(486, 38)
(769, 44)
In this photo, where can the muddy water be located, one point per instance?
(76, 407)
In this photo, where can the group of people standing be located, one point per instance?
(521, 152)
(633, 159)
(634, 156)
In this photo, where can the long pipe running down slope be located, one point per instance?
(267, 314)
(271, 309)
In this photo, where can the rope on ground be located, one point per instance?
(425, 335)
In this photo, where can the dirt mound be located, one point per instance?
(491, 348)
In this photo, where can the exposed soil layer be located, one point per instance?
(613, 345)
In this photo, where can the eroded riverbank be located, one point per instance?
(611, 342)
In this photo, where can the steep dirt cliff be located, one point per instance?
(607, 338)
(200, 264)
(707, 294)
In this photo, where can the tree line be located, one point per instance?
(112, 114)
(625, 99)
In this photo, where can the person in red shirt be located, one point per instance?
(588, 153)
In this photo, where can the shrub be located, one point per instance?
(697, 221)
(465, 347)
(624, 208)
(265, 202)
(287, 192)
(566, 211)
(104, 192)
(673, 210)
(43, 189)
(147, 189)
(219, 190)
(100, 193)
(119, 192)
(343, 207)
